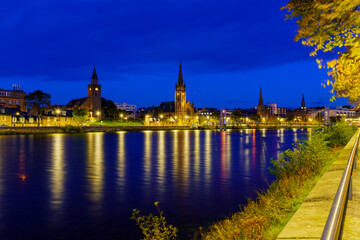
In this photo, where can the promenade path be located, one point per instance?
(309, 220)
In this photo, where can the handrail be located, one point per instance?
(335, 219)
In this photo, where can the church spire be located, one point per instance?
(261, 102)
(94, 78)
(180, 78)
(303, 102)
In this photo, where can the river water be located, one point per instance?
(84, 186)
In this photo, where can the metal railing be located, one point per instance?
(334, 223)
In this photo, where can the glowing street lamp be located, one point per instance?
(161, 116)
(121, 115)
(98, 113)
(186, 116)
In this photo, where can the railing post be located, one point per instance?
(356, 154)
(350, 189)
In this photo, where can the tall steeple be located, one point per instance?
(94, 94)
(303, 102)
(94, 77)
(261, 102)
(180, 78)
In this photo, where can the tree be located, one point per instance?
(237, 114)
(255, 118)
(290, 118)
(109, 108)
(332, 26)
(80, 115)
(158, 112)
(39, 102)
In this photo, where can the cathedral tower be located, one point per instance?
(180, 97)
(303, 107)
(261, 108)
(94, 93)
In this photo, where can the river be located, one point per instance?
(84, 186)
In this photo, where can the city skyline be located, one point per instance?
(227, 52)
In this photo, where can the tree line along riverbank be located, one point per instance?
(296, 171)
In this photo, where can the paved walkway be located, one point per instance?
(309, 220)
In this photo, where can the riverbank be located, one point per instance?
(296, 171)
(94, 128)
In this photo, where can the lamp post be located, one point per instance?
(57, 115)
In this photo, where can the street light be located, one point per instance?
(98, 113)
(161, 116)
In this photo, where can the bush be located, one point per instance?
(339, 134)
(306, 155)
(71, 129)
(154, 227)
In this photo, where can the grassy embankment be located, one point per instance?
(116, 123)
(296, 171)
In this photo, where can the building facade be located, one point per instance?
(183, 109)
(13, 98)
(262, 110)
(126, 107)
(92, 102)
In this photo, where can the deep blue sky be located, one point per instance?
(229, 49)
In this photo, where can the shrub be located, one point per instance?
(154, 227)
(306, 155)
(339, 134)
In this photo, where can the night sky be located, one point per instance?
(228, 49)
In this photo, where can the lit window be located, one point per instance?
(96, 89)
(10, 102)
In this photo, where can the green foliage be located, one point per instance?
(80, 115)
(109, 108)
(236, 115)
(71, 129)
(296, 171)
(154, 227)
(340, 134)
(306, 155)
(255, 118)
(157, 112)
(290, 118)
(38, 101)
(332, 26)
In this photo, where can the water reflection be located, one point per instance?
(207, 159)
(121, 166)
(22, 158)
(95, 168)
(147, 156)
(161, 162)
(197, 156)
(57, 172)
(196, 175)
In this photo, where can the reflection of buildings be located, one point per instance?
(57, 172)
(95, 166)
